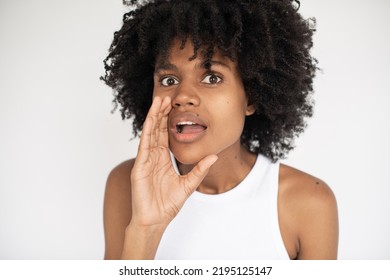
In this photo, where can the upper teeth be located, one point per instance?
(185, 123)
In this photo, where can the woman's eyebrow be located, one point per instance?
(165, 67)
(214, 62)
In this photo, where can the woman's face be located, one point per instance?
(208, 106)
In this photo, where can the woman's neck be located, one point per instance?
(230, 169)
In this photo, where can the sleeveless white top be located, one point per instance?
(241, 223)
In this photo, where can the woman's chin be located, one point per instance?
(186, 157)
(187, 160)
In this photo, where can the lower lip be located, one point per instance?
(187, 137)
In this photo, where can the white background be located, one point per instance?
(59, 140)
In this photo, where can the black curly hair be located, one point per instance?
(269, 39)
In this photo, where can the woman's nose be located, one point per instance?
(185, 96)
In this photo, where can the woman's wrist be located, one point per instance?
(141, 242)
(146, 230)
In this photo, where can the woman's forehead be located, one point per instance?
(180, 49)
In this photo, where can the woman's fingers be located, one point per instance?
(148, 133)
(163, 128)
(159, 137)
(155, 128)
(197, 174)
(155, 111)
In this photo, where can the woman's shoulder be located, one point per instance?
(118, 185)
(118, 180)
(308, 212)
(117, 208)
(300, 185)
(121, 173)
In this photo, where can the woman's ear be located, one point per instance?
(250, 109)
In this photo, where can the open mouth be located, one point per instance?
(188, 127)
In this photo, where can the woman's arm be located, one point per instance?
(318, 236)
(157, 191)
(308, 215)
(117, 209)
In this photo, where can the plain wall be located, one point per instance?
(59, 140)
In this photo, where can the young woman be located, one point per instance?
(219, 89)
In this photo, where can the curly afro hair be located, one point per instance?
(269, 39)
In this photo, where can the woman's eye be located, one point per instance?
(169, 81)
(211, 79)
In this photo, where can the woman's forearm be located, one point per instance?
(141, 242)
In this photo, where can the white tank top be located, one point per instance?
(241, 223)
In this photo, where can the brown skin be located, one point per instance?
(307, 213)
(143, 195)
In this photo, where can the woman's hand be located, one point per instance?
(158, 192)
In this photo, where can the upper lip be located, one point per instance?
(185, 117)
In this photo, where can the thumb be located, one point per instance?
(197, 174)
